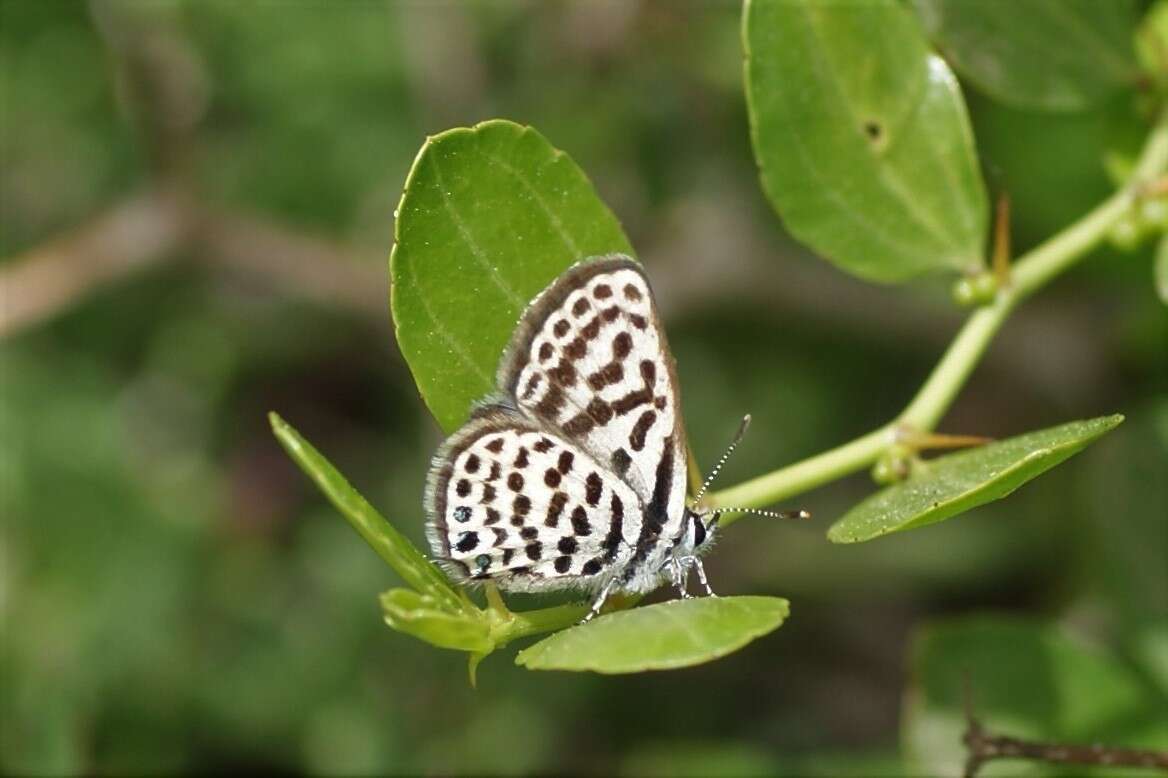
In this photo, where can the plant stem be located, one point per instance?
(803, 476)
(1032, 271)
(525, 623)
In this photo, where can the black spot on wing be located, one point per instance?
(640, 429)
(612, 540)
(580, 523)
(467, 541)
(555, 509)
(593, 487)
(621, 462)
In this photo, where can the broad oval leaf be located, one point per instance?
(862, 137)
(489, 216)
(956, 483)
(1026, 680)
(664, 636)
(1049, 54)
(392, 546)
(427, 619)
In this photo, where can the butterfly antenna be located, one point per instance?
(718, 467)
(799, 514)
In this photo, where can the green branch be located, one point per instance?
(1031, 272)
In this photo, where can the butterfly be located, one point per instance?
(573, 475)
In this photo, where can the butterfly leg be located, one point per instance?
(687, 562)
(598, 603)
(679, 575)
(697, 563)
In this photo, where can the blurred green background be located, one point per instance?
(197, 205)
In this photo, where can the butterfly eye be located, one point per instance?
(699, 531)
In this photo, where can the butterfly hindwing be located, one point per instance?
(590, 360)
(510, 502)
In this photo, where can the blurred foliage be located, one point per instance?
(1026, 679)
(174, 595)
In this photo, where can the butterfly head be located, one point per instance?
(700, 527)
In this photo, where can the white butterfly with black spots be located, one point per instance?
(574, 475)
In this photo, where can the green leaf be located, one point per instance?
(664, 636)
(952, 484)
(1027, 681)
(862, 139)
(406, 560)
(489, 216)
(1160, 270)
(1059, 55)
(430, 620)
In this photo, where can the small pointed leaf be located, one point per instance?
(664, 636)
(406, 560)
(956, 483)
(1059, 55)
(862, 138)
(489, 216)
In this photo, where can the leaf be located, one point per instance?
(406, 560)
(1059, 55)
(427, 619)
(1027, 681)
(489, 216)
(862, 139)
(664, 636)
(950, 485)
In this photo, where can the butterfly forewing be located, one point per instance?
(590, 359)
(521, 506)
